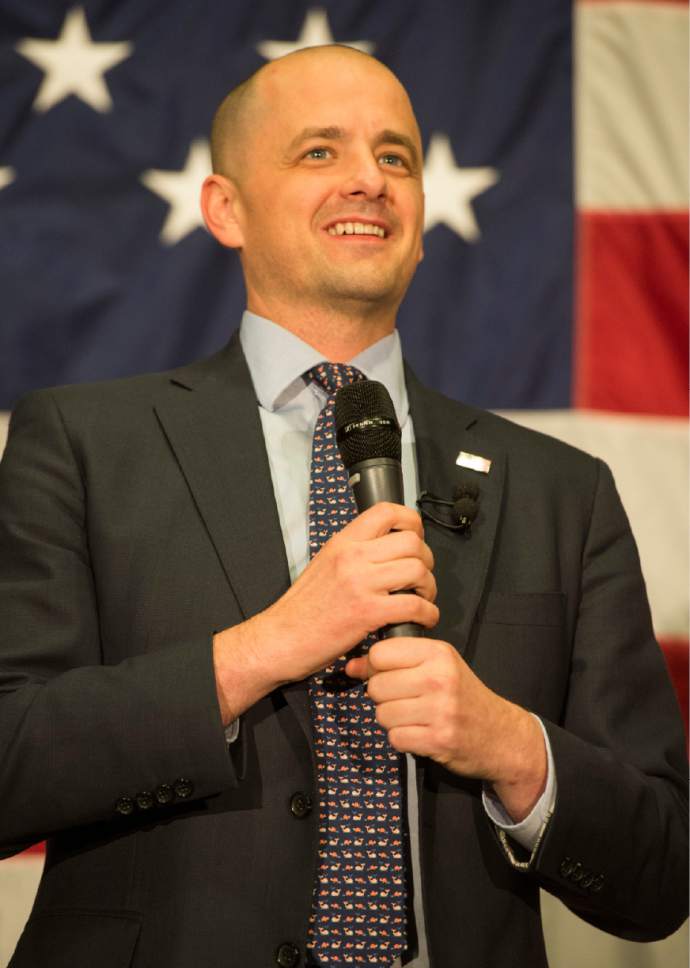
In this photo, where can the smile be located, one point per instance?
(356, 228)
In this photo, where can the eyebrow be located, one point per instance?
(331, 133)
(389, 137)
(334, 133)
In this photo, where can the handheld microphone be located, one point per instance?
(368, 436)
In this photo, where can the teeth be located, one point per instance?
(356, 228)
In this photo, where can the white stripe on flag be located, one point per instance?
(19, 877)
(631, 105)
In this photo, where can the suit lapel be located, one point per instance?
(210, 417)
(442, 429)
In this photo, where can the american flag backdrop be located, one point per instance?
(555, 282)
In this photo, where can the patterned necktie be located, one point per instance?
(359, 905)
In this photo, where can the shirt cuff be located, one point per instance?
(232, 731)
(527, 832)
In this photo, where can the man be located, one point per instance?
(164, 640)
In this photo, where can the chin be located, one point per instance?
(364, 295)
(377, 288)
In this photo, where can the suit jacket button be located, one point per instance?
(597, 883)
(124, 806)
(183, 788)
(144, 800)
(577, 873)
(587, 880)
(300, 805)
(287, 955)
(164, 794)
(566, 867)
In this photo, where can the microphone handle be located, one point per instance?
(374, 480)
(402, 628)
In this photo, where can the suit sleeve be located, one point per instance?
(78, 735)
(616, 849)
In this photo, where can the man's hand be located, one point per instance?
(341, 596)
(432, 704)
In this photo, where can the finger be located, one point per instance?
(402, 712)
(396, 656)
(406, 573)
(412, 739)
(400, 544)
(358, 668)
(395, 609)
(384, 687)
(382, 518)
(406, 652)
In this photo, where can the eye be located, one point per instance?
(391, 160)
(318, 154)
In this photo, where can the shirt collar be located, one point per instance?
(278, 359)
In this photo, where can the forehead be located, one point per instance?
(331, 88)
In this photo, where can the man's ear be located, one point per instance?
(219, 206)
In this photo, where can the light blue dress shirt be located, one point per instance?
(288, 408)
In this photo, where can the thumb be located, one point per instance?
(358, 668)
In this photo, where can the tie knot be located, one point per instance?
(333, 376)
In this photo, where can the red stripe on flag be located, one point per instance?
(36, 848)
(632, 314)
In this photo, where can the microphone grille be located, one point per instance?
(366, 424)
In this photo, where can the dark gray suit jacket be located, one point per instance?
(136, 518)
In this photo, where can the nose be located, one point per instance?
(365, 179)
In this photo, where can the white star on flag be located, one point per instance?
(449, 190)
(6, 176)
(315, 32)
(180, 189)
(73, 64)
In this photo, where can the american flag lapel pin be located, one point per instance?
(474, 462)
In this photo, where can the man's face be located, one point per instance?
(330, 195)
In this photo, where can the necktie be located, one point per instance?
(359, 904)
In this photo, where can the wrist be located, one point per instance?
(523, 775)
(242, 675)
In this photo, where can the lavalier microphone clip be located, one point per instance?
(456, 514)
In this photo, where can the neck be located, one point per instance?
(338, 335)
